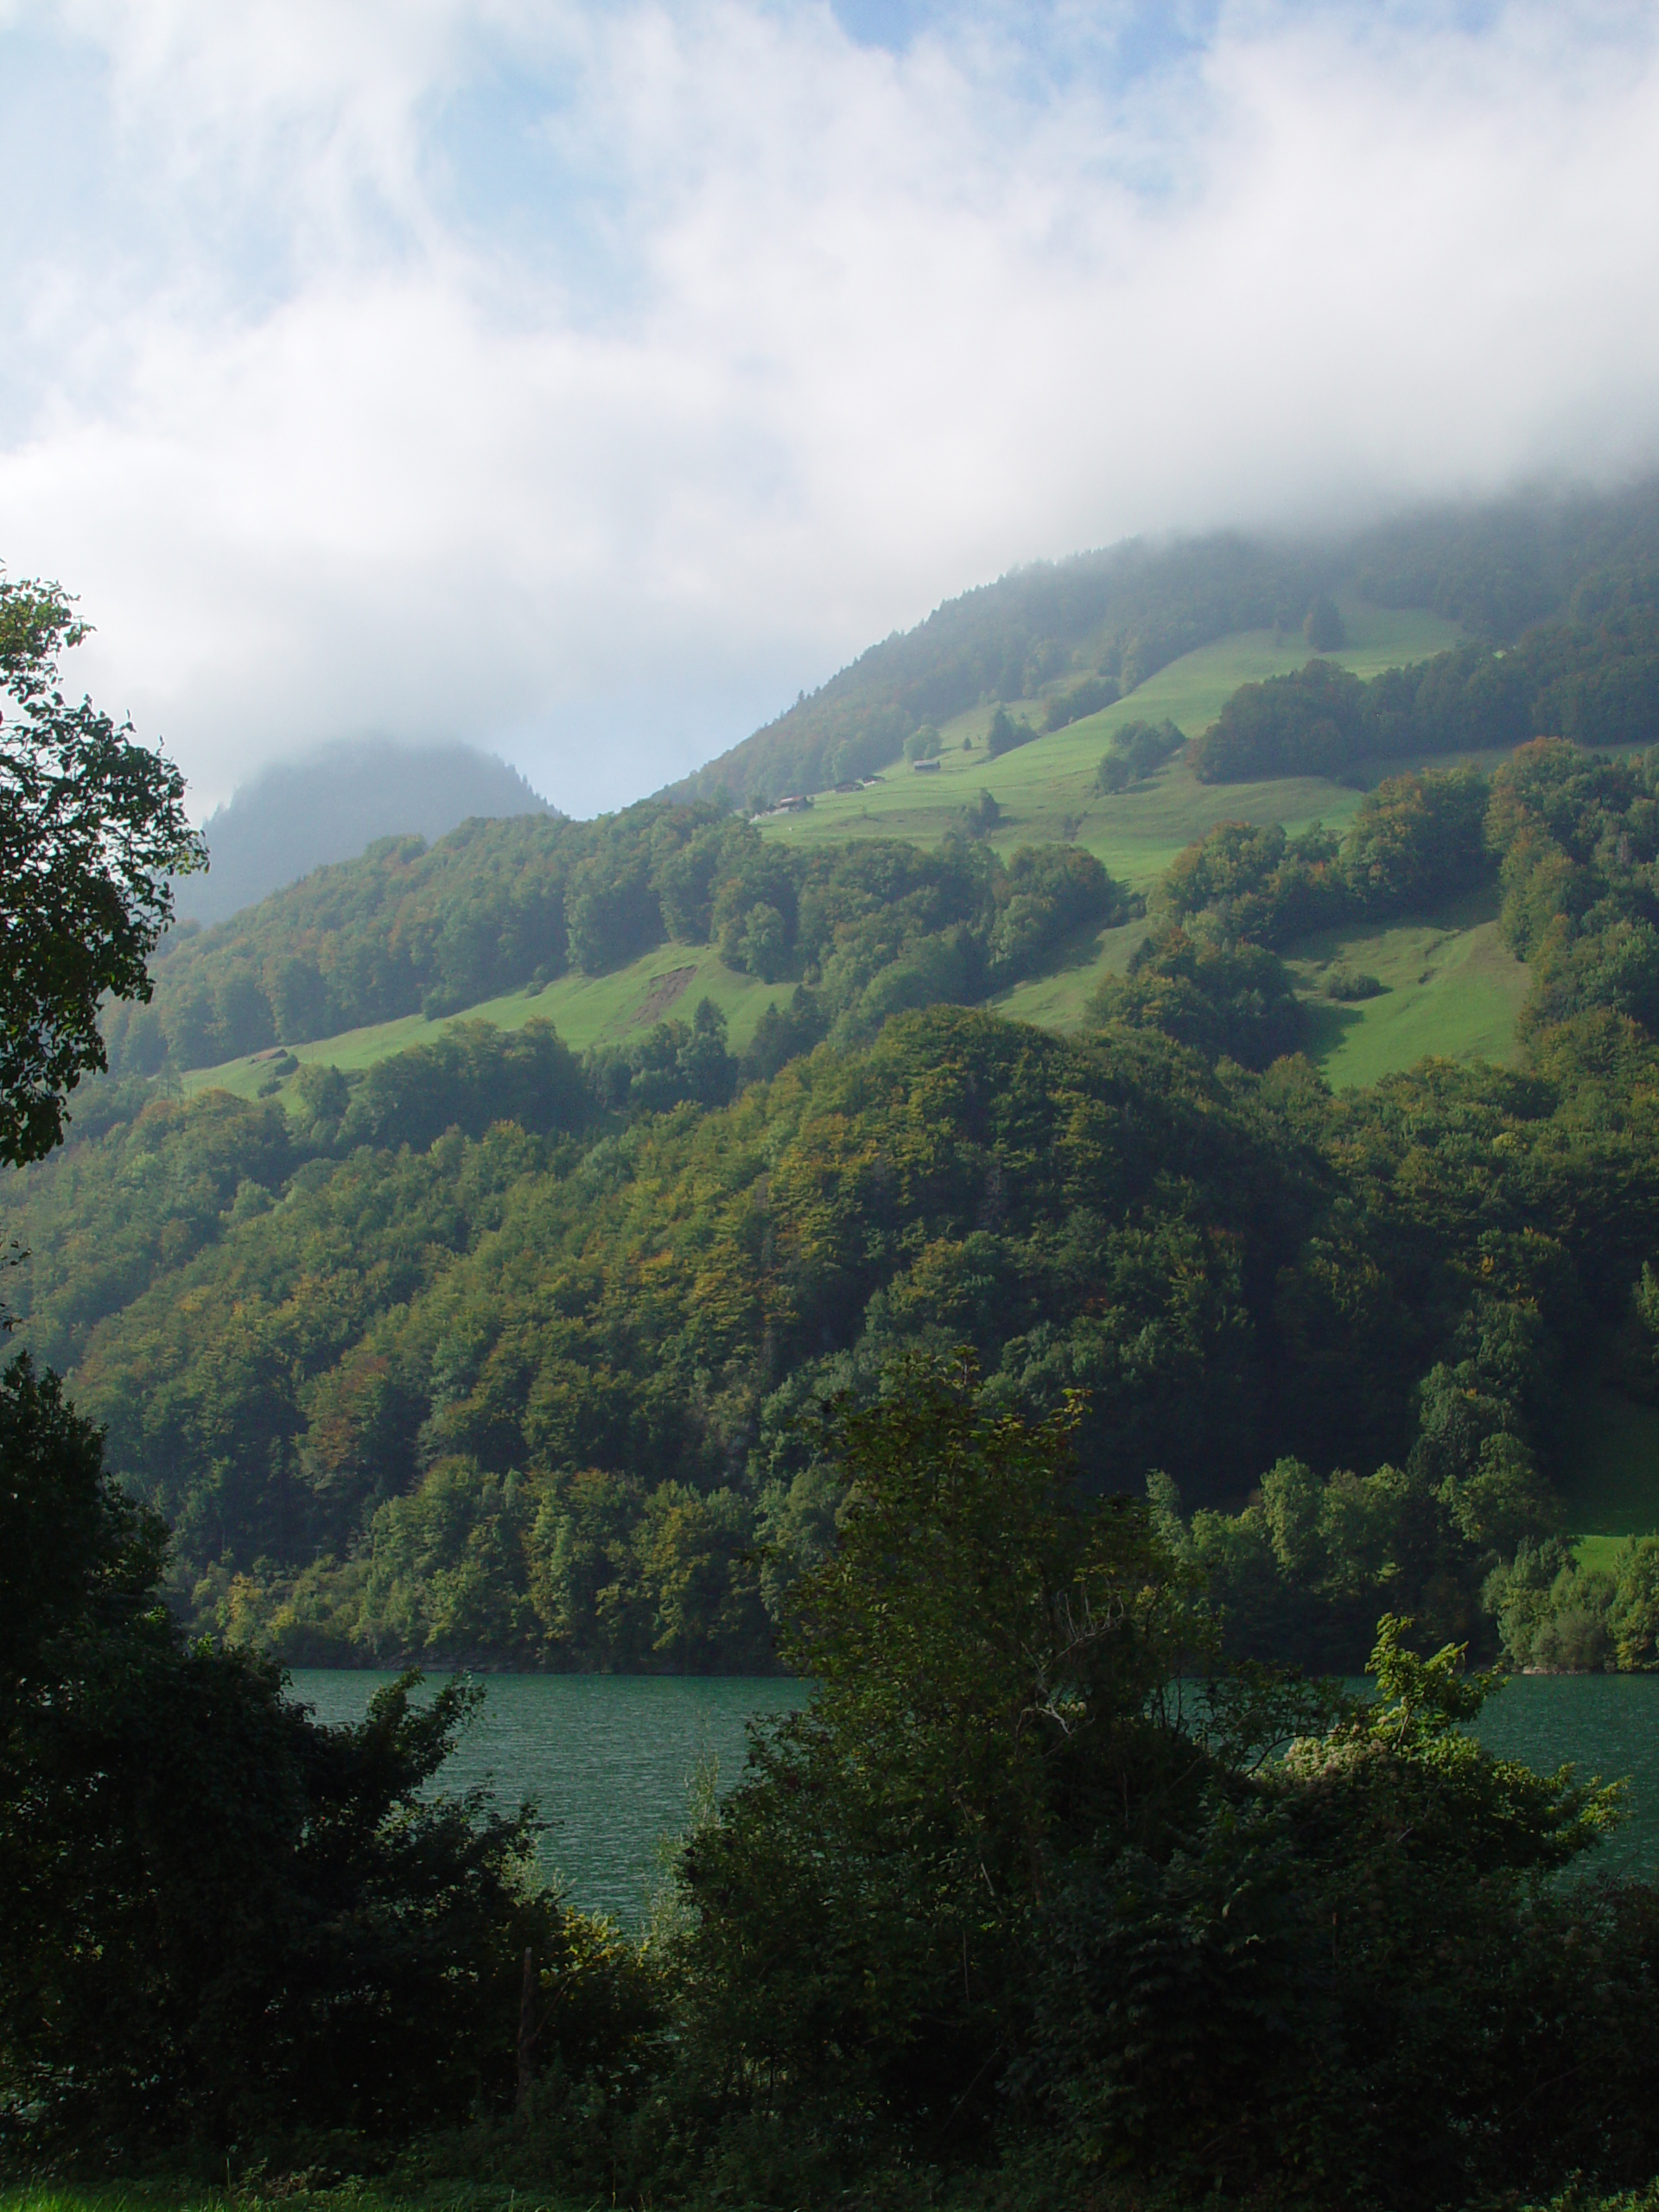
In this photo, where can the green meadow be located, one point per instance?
(1449, 986)
(1046, 789)
(586, 1010)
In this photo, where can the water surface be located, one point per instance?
(613, 1759)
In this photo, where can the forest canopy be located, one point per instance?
(536, 1384)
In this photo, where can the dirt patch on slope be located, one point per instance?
(664, 989)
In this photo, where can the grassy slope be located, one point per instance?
(585, 1010)
(1452, 988)
(1046, 789)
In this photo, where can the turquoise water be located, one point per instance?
(1605, 1725)
(613, 1759)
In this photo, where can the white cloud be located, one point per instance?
(584, 380)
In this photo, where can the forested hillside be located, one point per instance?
(295, 816)
(490, 1346)
(1593, 677)
(1090, 629)
(873, 927)
(503, 1353)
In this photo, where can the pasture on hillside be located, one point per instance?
(1451, 987)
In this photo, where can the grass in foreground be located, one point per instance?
(292, 2192)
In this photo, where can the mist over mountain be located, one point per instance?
(297, 816)
(1116, 615)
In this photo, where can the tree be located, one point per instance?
(989, 1649)
(91, 826)
(220, 1920)
(1324, 627)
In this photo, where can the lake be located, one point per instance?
(614, 1759)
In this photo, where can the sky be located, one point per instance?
(585, 380)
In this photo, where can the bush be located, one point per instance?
(1136, 749)
(1235, 1001)
(1002, 1882)
(1323, 628)
(1347, 984)
(980, 816)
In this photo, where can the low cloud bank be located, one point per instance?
(579, 381)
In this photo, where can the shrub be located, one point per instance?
(1347, 984)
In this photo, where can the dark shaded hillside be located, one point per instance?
(297, 816)
(1115, 616)
(625, 1330)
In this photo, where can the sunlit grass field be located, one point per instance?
(1451, 989)
(586, 1010)
(1046, 789)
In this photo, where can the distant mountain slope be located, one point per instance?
(299, 815)
(1118, 616)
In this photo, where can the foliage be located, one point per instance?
(487, 1353)
(470, 1078)
(1347, 1980)
(498, 905)
(1118, 616)
(1347, 984)
(1578, 834)
(1558, 1616)
(223, 1923)
(1137, 748)
(1416, 839)
(985, 1649)
(1594, 678)
(359, 1381)
(980, 815)
(1323, 626)
(1500, 567)
(1089, 696)
(1094, 627)
(1003, 1881)
(92, 825)
(1232, 1001)
(1006, 734)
